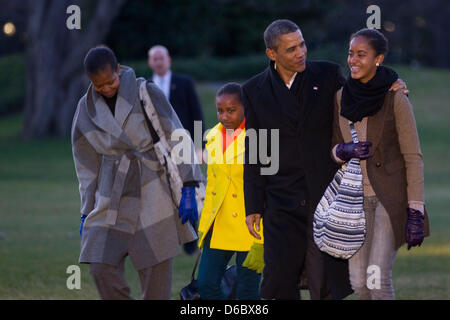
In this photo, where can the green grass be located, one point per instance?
(39, 207)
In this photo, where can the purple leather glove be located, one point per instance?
(414, 228)
(188, 205)
(347, 151)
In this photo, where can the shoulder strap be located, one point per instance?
(195, 265)
(152, 130)
(353, 132)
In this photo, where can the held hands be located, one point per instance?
(414, 228)
(188, 205)
(347, 151)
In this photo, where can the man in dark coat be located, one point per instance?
(179, 89)
(296, 97)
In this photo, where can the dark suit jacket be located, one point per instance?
(185, 102)
(305, 142)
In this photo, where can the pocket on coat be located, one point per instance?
(394, 166)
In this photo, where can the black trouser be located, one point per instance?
(284, 253)
(288, 248)
(315, 267)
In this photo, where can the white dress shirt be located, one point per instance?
(163, 82)
(289, 85)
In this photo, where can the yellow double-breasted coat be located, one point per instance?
(224, 199)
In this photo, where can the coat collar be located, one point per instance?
(127, 96)
(375, 123)
(214, 146)
(311, 69)
(282, 95)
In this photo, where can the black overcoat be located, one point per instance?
(305, 165)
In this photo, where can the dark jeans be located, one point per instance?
(212, 268)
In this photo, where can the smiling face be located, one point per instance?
(106, 81)
(230, 111)
(362, 59)
(290, 54)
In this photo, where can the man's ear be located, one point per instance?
(271, 54)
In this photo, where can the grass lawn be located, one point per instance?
(39, 207)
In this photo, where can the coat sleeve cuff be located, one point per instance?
(416, 205)
(190, 184)
(335, 157)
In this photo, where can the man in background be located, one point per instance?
(179, 89)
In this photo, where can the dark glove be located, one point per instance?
(414, 228)
(347, 151)
(190, 247)
(188, 206)
(83, 217)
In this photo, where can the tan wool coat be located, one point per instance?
(394, 173)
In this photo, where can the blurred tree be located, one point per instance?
(416, 29)
(54, 61)
(201, 31)
(209, 27)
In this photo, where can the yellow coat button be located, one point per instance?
(213, 193)
(234, 214)
(234, 195)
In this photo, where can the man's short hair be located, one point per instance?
(160, 47)
(275, 30)
(99, 58)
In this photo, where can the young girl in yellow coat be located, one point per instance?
(222, 229)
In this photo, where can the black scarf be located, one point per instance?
(360, 100)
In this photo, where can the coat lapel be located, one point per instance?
(311, 93)
(235, 149)
(215, 149)
(284, 98)
(100, 114)
(127, 96)
(375, 123)
(214, 145)
(173, 88)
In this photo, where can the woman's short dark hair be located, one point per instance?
(375, 38)
(275, 30)
(230, 88)
(98, 58)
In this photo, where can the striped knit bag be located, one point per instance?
(339, 223)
